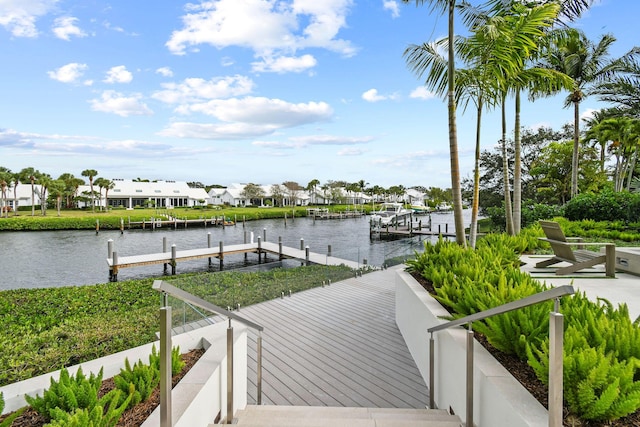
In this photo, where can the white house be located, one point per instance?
(161, 194)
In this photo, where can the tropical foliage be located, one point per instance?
(601, 343)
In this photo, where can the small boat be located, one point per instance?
(390, 213)
(419, 208)
(444, 207)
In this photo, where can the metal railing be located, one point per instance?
(556, 325)
(165, 348)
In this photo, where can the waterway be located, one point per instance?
(70, 258)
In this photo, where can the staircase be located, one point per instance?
(325, 416)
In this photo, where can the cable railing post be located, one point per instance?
(469, 422)
(432, 380)
(165, 366)
(556, 328)
(259, 368)
(229, 373)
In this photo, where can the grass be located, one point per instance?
(76, 219)
(48, 329)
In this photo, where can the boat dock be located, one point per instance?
(323, 213)
(407, 226)
(262, 249)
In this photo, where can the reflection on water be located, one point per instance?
(62, 258)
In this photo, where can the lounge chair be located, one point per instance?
(578, 258)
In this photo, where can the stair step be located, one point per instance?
(308, 416)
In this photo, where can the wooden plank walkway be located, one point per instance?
(336, 346)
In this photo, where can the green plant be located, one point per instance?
(105, 413)
(68, 393)
(138, 381)
(9, 420)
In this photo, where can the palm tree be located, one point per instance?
(623, 88)
(586, 63)
(311, 188)
(108, 185)
(57, 189)
(624, 135)
(449, 6)
(90, 173)
(44, 179)
(5, 178)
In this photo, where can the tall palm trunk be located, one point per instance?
(473, 228)
(505, 171)
(517, 171)
(576, 148)
(453, 137)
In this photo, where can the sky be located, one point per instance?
(226, 91)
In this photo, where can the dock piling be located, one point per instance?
(306, 254)
(173, 259)
(221, 257)
(114, 267)
(329, 250)
(121, 226)
(259, 249)
(97, 226)
(209, 244)
(164, 249)
(301, 244)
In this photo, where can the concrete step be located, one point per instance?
(309, 416)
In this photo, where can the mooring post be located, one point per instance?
(306, 254)
(114, 267)
(285, 220)
(121, 225)
(209, 244)
(259, 249)
(446, 228)
(164, 250)
(245, 242)
(110, 255)
(235, 220)
(301, 244)
(264, 234)
(173, 259)
(221, 256)
(280, 257)
(329, 250)
(97, 226)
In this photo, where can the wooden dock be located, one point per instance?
(172, 257)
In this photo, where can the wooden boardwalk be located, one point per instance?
(115, 262)
(336, 346)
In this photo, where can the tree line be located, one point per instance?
(517, 48)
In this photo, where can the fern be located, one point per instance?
(68, 393)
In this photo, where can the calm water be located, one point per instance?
(62, 258)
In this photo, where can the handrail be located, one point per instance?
(162, 286)
(556, 329)
(554, 293)
(165, 349)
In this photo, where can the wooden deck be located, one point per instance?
(336, 346)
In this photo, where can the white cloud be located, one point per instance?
(117, 103)
(195, 89)
(392, 6)
(285, 64)
(350, 152)
(263, 111)
(248, 117)
(216, 131)
(19, 16)
(422, 92)
(65, 27)
(165, 71)
(268, 27)
(69, 73)
(587, 114)
(118, 74)
(331, 140)
(372, 95)
(314, 140)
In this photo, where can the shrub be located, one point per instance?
(604, 206)
(602, 345)
(105, 413)
(68, 393)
